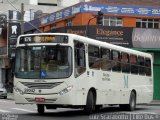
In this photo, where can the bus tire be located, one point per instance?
(132, 102)
(40, 108)
(90, 103)
(98, 107)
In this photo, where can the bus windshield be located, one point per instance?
(43, 62)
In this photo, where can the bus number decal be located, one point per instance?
(29, 90)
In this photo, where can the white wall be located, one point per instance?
(48, 1)
(33, 2)
(66, 3)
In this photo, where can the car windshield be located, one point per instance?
(43, 62)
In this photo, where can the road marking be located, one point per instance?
(4, 111)
(139, 112)
(25, 110)
(148, 113)
(7, 101)
(3, 101)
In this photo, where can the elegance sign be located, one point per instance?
(115, 35)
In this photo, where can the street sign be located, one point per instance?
(13, 33)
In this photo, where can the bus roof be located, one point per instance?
(97, 43)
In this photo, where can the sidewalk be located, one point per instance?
(154, 102)
(10, 96)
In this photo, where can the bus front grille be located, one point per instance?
(41, 85)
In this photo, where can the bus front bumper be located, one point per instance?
(56, 98)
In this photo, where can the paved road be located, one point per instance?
(12, 111)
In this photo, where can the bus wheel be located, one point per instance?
(132, 102)
(90, 104)
(40, 108)
(98, 107)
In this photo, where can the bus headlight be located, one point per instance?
(66, 90)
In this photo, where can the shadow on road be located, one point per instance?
(80, 112)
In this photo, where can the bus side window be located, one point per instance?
(148, 66)
(133, 64)
(141, 65)
(116, 65)
(93, 55)
(125, 62)
(105, 59)
(80, 64)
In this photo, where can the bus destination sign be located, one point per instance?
(44, 39)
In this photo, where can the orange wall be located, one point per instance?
(83, 18)
(47, 28)
(60, 24)
(86, 18)
(129, 22)
(77, 20)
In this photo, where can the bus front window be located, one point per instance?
(43, 62)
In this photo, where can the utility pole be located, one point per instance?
(22, 18)
(87, 27)
(99, 17)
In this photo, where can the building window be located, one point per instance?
(147, 23)
(69, 22)
(112, 21)
(53, 26)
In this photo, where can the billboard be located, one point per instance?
(146, 38)
(114, 35)
(122, 36)
(14, 30)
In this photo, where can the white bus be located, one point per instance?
(65, 70)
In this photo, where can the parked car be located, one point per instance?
(3, 91)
